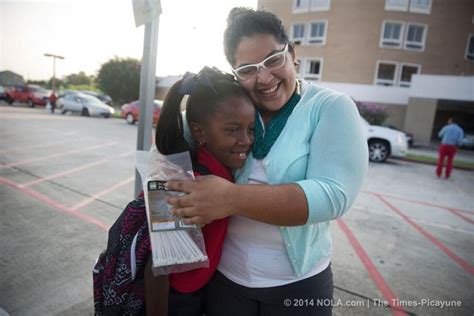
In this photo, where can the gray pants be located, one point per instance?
(311, 296)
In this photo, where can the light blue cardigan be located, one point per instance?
(323, 149)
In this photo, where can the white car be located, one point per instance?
(467, 142)
(385, 142)
(84, 104)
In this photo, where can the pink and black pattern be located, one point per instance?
(116, 292)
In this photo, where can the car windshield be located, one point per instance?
(90, 99)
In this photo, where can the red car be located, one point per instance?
(31, 94)
(130, 111)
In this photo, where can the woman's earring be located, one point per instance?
(201, 143)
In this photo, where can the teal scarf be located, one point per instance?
(266, 137)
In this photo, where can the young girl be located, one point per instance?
(220, 116)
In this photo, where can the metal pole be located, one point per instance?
(147, 91)
(54, 67)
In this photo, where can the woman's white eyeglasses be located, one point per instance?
(272, 62)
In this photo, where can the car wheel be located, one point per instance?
(378, 150)
(107, 115)
(30, 103)
(130, 119)
(85, 111)
(9, 100)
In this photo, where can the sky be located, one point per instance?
(90, 32)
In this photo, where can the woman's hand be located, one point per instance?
(209, 198)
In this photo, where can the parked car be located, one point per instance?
(408, 135)
(31, 94)
(385, 142)
(102, 97)
(84, 104)
(467, 142)
(62, 93)
(130, 111)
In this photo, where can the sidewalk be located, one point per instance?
(430, 152)
(462, 154)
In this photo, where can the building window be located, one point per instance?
(396, 5)
(415, 6)
(300, 6)
(407, 70)
(392, 34)
(470, 47)
(420, 6)
(392, 73)
(317, 32)
(313, 69)
(386, 73)
(415, 37)
(297, 33)
(320, 5)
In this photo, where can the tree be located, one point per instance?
(79, 79)
(120, 78)
(375, 114)
(37, 82)
(59, 84)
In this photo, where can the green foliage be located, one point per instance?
(83, 87)
(120, 78)
(373, 113)
(48, 84)
(37, 82)
(79, 79)
(59, 84)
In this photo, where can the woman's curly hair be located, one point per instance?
(245, 22)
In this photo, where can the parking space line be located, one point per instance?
(24, 162)
(33, 147)
(73, 170)
(461, 262)
(96, 196)
(457, 213)
(452, 209)
(374, 273)
(57, 175)
(58, 206)
(418, 220)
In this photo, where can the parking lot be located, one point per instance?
(406, 246)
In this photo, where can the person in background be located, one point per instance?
(52, 100)
(306, 168)
(451, 135)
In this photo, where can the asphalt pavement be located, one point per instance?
(405, 247)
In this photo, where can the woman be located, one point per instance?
(306, 168)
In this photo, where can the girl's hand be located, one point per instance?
(209, 198)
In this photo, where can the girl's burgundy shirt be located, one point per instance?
(214, 235)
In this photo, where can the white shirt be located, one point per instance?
(254, 254)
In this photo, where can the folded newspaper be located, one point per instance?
(176, 246)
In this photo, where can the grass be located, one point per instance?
(117, 114)
(432, 160)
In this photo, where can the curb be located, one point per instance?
(433, 163)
